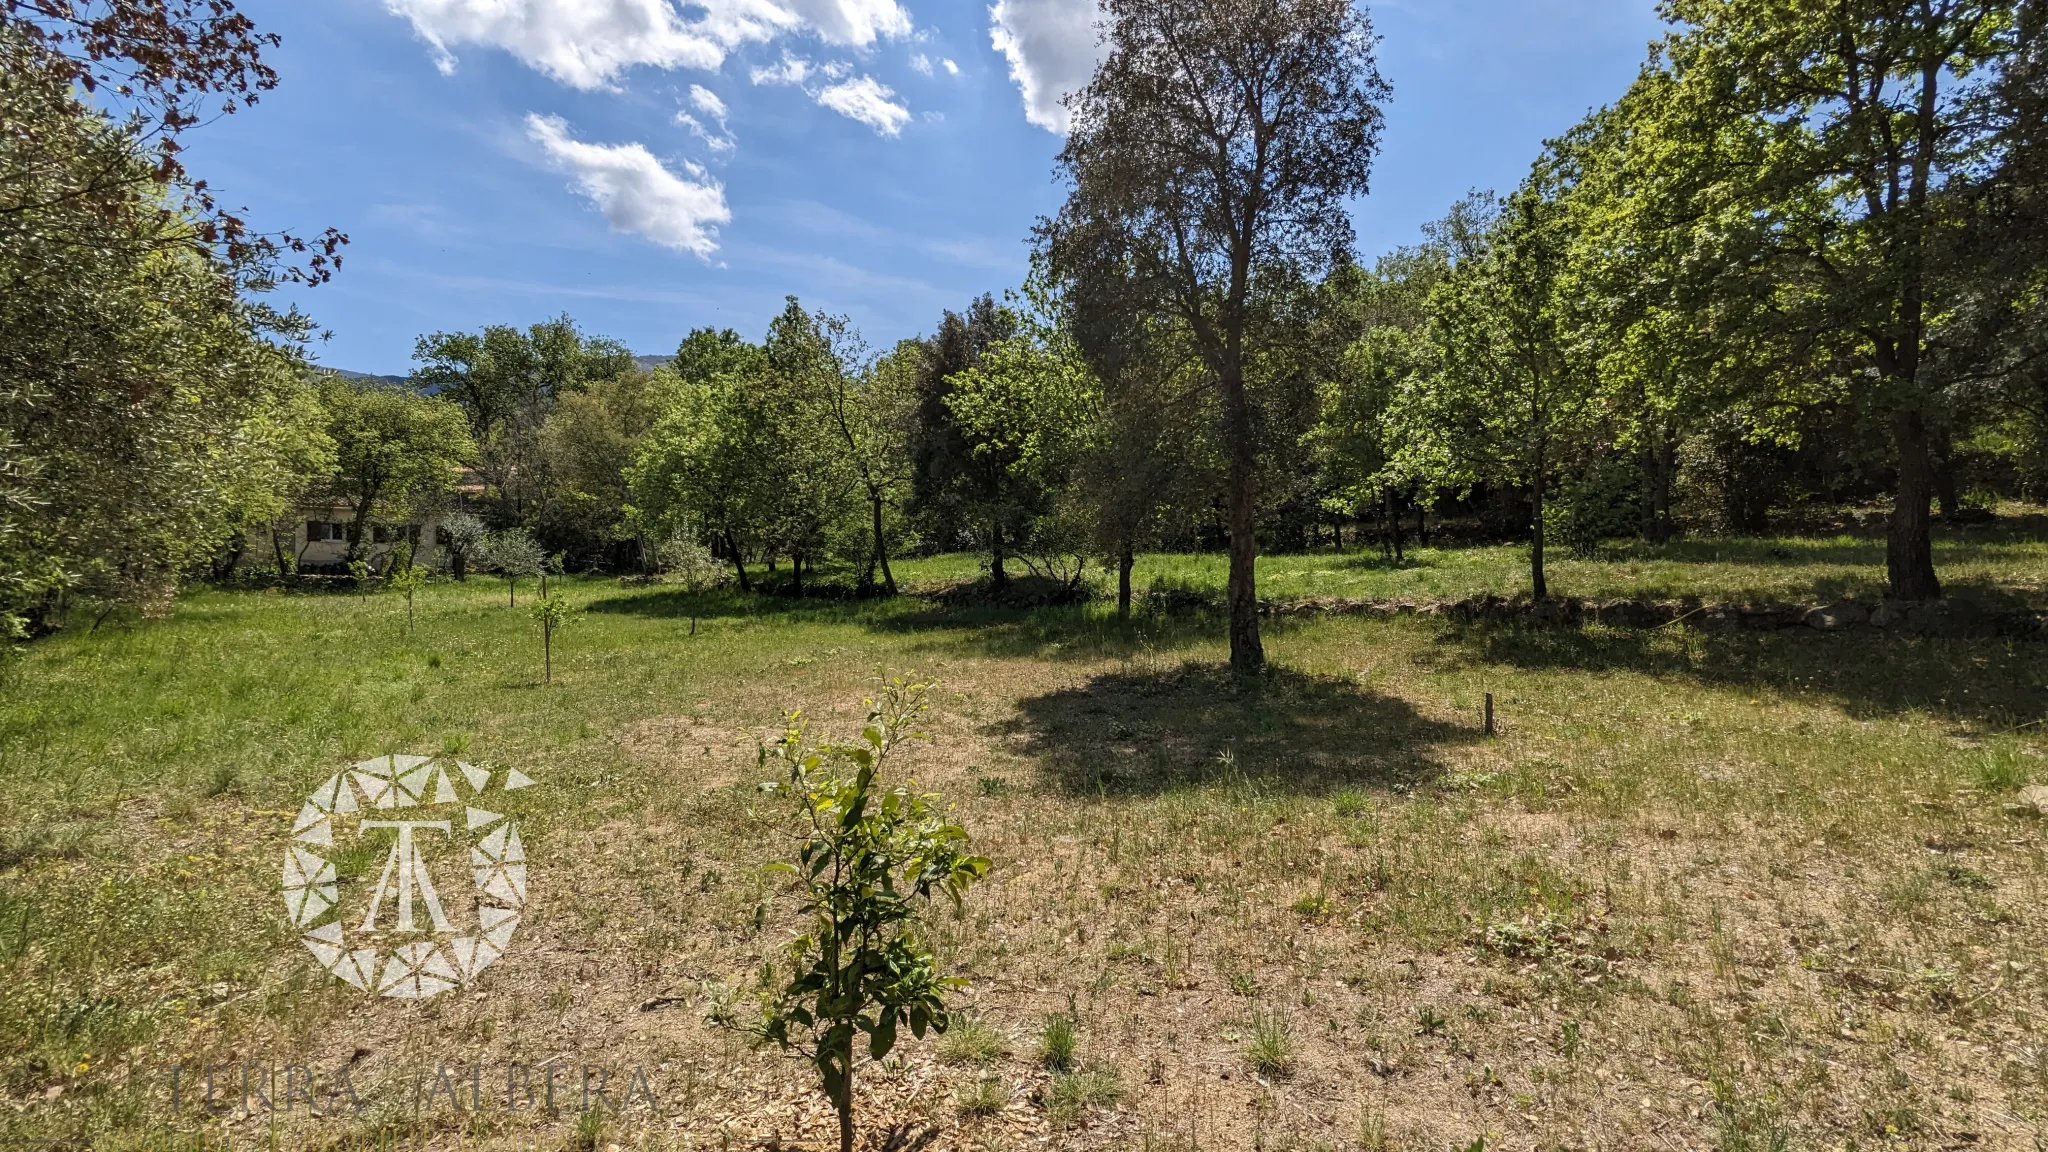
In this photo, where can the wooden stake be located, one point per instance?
(1489, 714)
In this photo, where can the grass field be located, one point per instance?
(2005, 560)
(1704, 891)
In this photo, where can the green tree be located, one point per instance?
(508, 381)
(588, 443)
(871, 406)
(146, 404)
(468, 542)
(553, 613)
(701, 467)
(869, 861)
(407, 578)
(514, 553)
(1512, 391)
(1027, 414)
(1873, 109)
(1215, 153)
(810, 472)
(395, 451)
(945, 474)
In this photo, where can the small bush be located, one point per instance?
(1350, 802)
(1313, 905)
(985, 1097)
(971, 1041)
(2001, 768)
(1059, 1042)
(1073, 1093)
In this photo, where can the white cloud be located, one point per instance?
(719, 141)
(633, 190)
(588, 43)
(585, 43)
(792, 70)
(952, 69)
(921, 64)
(1052, 50)
(852, 22)
(867, 101)
(707, 102)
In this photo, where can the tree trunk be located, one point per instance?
(1421, 524)
(796, 575)
(512, 591)
(356, 527)
(284, 568)
(1392, 536)
(845, 1103)
(231, 558)
(882, 547)
(1124, 561)
(1945, 494)
(458, 561)
(1539, 587)
(1246, 652)
(1657, 528)
(739, 566)
(997, 578)
(1909, 548)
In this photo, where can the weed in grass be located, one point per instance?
(2002, 767)
(970, 1040)
(986, 1096)
(1058, 1042)
(1243, 983)
(588, 1135)
(1072, 1094)
(1350, 802)
(1746, 1126)
(224, 779)
(1371, 1134)
(1570, 1038)
(1963, 876)
(1429, 1022)
(993, 786)
(1270, 1051)
(1315, 905)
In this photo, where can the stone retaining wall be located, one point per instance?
(1929, 618)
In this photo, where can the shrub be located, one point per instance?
(971, 1041)
(869, 862)
(1072, 1093)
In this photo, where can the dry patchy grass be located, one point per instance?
(1742, 891)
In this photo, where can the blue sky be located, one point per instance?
(650, 166)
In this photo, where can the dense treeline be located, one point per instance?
(1799, 263)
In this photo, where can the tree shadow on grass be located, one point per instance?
(1140, 733)
(1990, 683)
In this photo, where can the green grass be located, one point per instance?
(2006, 559)
(1766, 882)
